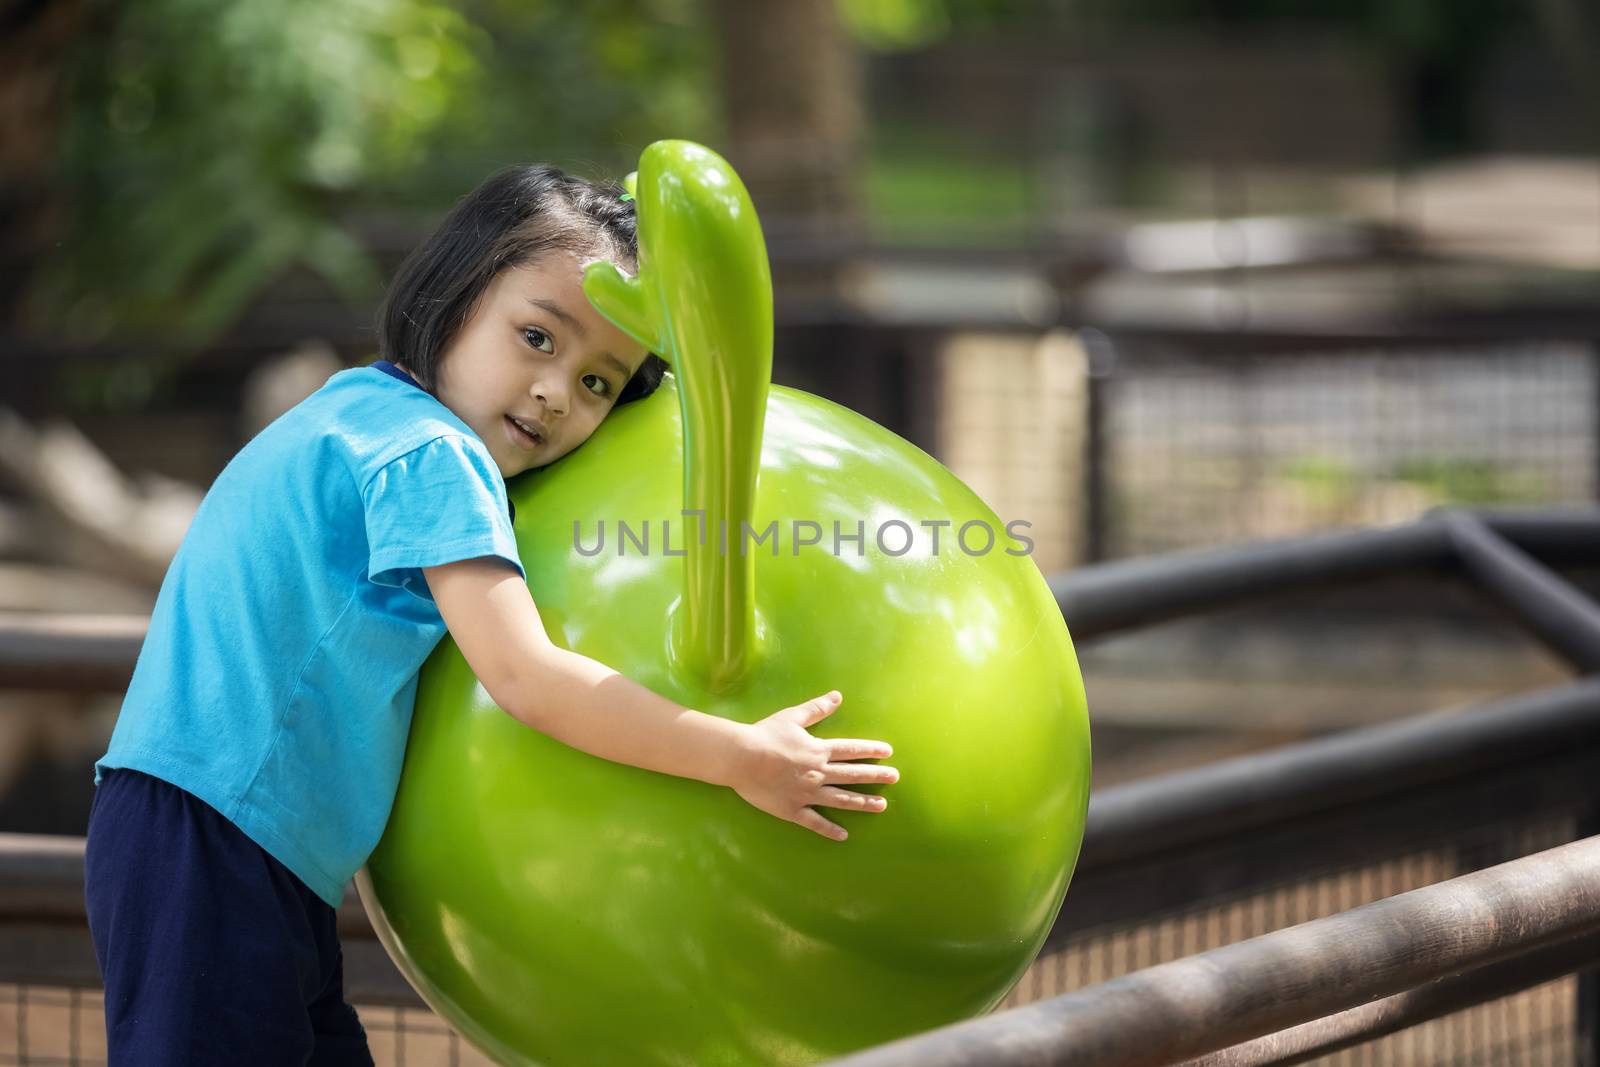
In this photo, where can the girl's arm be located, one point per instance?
(774, 764)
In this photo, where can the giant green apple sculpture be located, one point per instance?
(559, 909)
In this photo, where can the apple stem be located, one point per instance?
(703, 299)
(722, 453)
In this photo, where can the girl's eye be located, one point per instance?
(539, 339)
(592, 380)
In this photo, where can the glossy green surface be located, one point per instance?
(559, 909)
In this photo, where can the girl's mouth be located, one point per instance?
(524, 434)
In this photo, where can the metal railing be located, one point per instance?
(1381, 952)
(1435, 863)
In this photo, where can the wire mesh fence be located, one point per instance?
(1217, 449)
(51, 1026)
(1533, 1027)
(44, 1026)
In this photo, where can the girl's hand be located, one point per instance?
(785, 771)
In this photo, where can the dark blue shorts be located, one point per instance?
(211, 950)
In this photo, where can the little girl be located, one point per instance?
(256, 757)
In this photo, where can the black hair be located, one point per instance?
(516, 216)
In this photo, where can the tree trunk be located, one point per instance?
(791, 80)
(35, 38)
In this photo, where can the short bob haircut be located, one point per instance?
(515, 217)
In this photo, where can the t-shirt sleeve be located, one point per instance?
(441, 502)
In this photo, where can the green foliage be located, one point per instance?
(213, 144)
(1334, 483)
(892, 25)
(900, 25)
(1472, 481)
(583, 86)
(917, 201)
(1328, 481)
(931, 184)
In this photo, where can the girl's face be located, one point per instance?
(535, 367)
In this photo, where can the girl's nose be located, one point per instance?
(553, 397)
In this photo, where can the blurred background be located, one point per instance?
(1153, 275)
(1149, 274)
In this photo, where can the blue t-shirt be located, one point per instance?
(277, 678)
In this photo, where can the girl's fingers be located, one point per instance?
(851, 801)
(858, 773)
(812, 821)
(816, 709)
(857, 748)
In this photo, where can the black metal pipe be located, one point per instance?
(1359, 1025)
(41, 878)
(69, 653)
(1561, 616)
(1132, 593)
(1586, 1010)
(1097, 511)
(1233, 796)
(1111, 597)
(1239, 992)
(41, 881)
(1555, 535)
